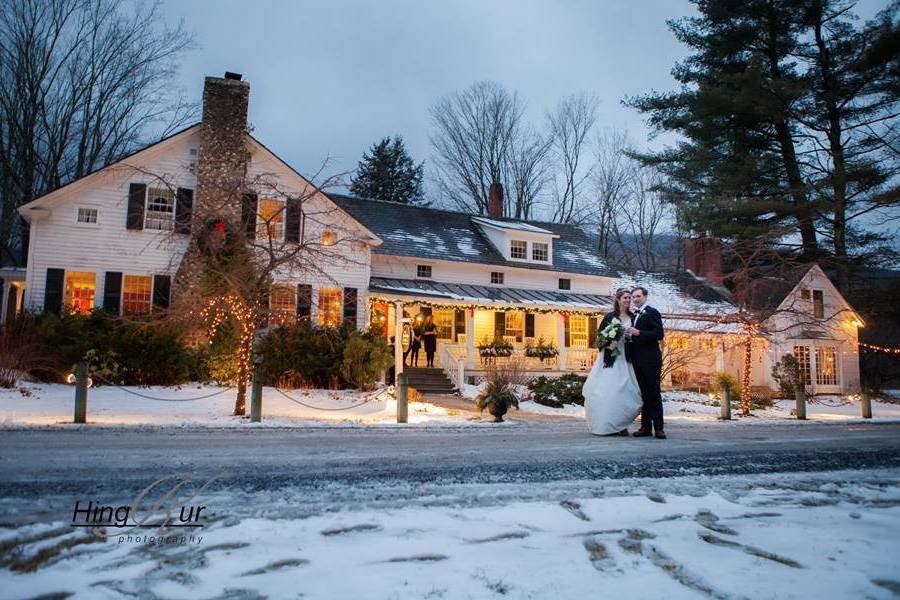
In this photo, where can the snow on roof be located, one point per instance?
(514, 225)
(683, 310)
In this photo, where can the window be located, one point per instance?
(565, 284)
(80, 288)
(707, 344)
(826, 366)
(88, 216)
(160, 211)
(518, 249)
(497, 277)
(423, 271)
(330, 304)
(679, 343)
(329, 238)
(801, 353)
(578, 331)
(137, 294)
(818, 304)
(443, 320)
(540, 251)
(270, 220)
(515, 325)
(804, 294)
(282, 304)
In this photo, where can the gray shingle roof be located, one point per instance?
(460, 292)
(432, 233)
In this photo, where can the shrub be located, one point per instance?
(500, 388)
(365, 357)
(117, 350)
(722, 380)
(786, 373)
(302, 354)
(20, 351)
(558, 391)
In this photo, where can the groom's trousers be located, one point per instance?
(649, 378)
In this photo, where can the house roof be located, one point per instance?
(431, 233)
(463, 293)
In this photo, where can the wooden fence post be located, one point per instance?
(865, 401)
(800, 396)
(402, 388)
(726, 403)
(81, 390)
(256, 397)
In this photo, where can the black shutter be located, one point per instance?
(499, 325)
(529, 325)
(184, 208)
(249, 208)
(112, 292)
(304, 301)
(350, 306)
(566, 334)
(292, 220)
(53, 290)
(162, 285)
(137, 196)
(459, 322)
(592, 332)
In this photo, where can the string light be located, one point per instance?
(214, 314)
(875, 348)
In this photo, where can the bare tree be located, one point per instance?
(82, 84)
(475, 131)
(528, 172)
(611, 176)
(570, 126)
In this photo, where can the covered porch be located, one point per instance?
(480, 327)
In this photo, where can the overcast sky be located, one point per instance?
(329, 78)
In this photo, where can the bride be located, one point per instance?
(612, 398)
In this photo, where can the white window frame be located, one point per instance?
(421, 267)
(837, 365)
(525, 250)
(261, 225)
(78, 209)
(147, 205)
(502, 278)
(122, 291)
(546, 250)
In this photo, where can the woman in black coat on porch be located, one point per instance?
(429, 340)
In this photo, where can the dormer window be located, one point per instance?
(540, 252)
(518, 249)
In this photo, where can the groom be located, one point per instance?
(646, 358)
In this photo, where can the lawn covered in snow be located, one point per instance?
(825, 535)
(53, 404)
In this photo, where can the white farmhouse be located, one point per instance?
(115, 239)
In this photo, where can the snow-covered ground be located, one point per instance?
(823, 535)
(686, 407)
(44, 405)
(53, 404)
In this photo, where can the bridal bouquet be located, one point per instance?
(613, 332)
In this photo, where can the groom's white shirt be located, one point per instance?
(638, 312)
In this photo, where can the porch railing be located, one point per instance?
(453, 362)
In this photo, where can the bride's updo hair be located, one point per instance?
(619, 293)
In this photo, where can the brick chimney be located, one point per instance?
(495, 200)
(224, 158)
(703, 257)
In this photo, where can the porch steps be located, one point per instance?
(429, 381)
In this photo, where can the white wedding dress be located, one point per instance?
(612, 398)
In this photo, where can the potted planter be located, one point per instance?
(542, 351)
(497, 396)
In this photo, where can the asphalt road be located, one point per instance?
(35, 463)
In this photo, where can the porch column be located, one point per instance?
(470, 338)
(398, 339)
(561, 342)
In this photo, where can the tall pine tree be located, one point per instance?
(787, 119)
(387, 172)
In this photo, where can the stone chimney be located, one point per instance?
(224, 158)
(221, 171)
(703, 257)
(495, 201)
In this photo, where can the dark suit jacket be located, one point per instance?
(645, 347)
(606, 319)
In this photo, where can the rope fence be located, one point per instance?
(157, 398)
(371, 398)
